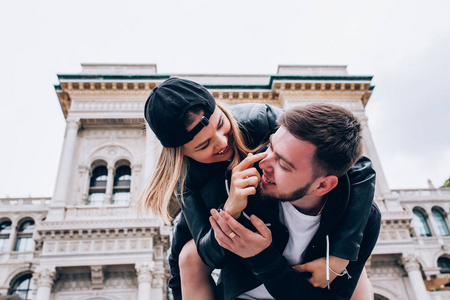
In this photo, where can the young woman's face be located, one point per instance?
(212, 144)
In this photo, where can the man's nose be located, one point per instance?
(265, 162)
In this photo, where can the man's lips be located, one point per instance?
(266, 180)
(223, 151)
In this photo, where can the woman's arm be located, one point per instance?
(258, 122)
(196, 214)
(346, 240)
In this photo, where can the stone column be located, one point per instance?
(382, 188)
(152, 149)
(85, 175)
(13, 236)
(412, 267)
(134, 185)
(43, 277)
(65, 166)
(109, 184)
(158, 281)
(432, 224)
(144, 274)
(97, 277)
(158, 273)
(373, 155)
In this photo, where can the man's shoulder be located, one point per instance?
(375, 213)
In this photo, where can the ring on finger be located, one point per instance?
(232, 234)
(246, 181)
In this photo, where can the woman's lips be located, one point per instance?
(223, 151)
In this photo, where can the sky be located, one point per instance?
(405, 45)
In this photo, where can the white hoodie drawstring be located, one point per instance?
(327, 258)
(328, 261)
(243, 212)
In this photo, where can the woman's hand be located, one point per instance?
(244, 180)
(233, 236)
(318, 268)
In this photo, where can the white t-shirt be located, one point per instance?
(302, 229)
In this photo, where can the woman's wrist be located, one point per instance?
(232, 211)
(338, 264)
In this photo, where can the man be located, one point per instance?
(305, 171)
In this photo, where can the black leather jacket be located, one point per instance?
(205, 189)
(270, 268)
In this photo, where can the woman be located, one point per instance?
(201, 141)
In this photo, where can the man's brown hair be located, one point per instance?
(335, 132)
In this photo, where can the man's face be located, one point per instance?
(288, 168)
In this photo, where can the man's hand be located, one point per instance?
(233, 236)
(318, 268)
(244, 180)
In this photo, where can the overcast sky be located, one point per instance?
(404, 44)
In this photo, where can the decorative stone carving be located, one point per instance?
(44, 276)
(353, 105)
(73, 282)
(120, 280)
(97, 277)
(158, 275)
(144, 271)
(410, 262)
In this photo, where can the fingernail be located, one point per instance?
(213, 212)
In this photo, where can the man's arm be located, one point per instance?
(343, 287)
(346, 239)
(272, 269)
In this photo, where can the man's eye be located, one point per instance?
(283, 167)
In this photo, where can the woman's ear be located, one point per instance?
(326, 184)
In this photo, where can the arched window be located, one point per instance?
(440, 222)
(122, 182)
(444, 264)
(23, 287)
(420, 223)
(97, 186)
(25, 236)
(5, 230)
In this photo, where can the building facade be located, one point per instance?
(87, 242)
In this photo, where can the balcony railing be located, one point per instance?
(25, 201)
(442, 192)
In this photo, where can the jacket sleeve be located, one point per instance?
(282, 282)
(258, 121)
(346, 239)
(197, 217)
(343, 287)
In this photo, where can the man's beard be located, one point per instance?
(295, 195)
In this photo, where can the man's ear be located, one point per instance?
(326, 184)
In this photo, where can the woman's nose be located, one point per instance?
(221, 140)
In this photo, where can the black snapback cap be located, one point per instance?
(168, 103)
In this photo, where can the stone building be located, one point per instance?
(87, 242)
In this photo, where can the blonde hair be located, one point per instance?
(168, 180)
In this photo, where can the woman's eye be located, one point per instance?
(220, 124)
(204, 147)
